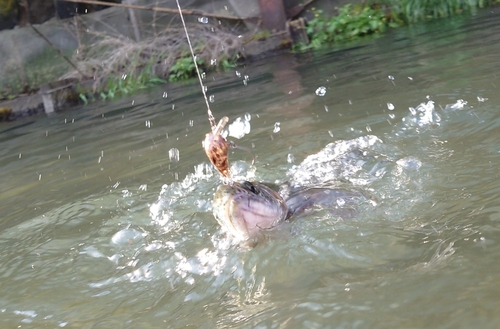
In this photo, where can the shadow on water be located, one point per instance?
(100, 228)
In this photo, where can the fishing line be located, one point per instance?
(211, 118)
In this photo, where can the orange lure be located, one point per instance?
(216, 148)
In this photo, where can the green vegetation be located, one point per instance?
(122, 66)
(354, 21)
(412, 11)
(184, 68)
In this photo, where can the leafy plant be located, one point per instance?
(184, 68)
(351, 22)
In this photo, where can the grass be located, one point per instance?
(122, 66)
(412, 11)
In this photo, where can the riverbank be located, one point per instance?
(59, 62)
(65, 62)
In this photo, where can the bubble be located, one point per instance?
(481, 99)
(248, 116)
(340, 202)
(211, 98)
(165, 94)
(148, 123)
(173, 154)
(276, 127)
(390, 77)
(203, 20)
(321, 91)
(238, 74)
(390, 106)
(290, 158)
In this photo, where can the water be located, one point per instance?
(106, 209)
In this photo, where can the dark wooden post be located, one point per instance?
(273, 14)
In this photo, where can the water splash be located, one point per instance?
(277, 127)
(173, 154)
(423, 115)
(239, 127)
(338, 160)
(458, 105)
(321, 91)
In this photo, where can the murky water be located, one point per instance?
(101, 228)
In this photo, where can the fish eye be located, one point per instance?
(251, 187)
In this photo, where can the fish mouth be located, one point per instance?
(245, 209)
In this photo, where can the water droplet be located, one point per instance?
(211, 98)
(245, 82)
(238, 74)
(350, 102)
(290, 158)
(326, 108)
(321, 91)
(392, 115)
(165, 94)
(368, 128)
(248, 116)
(390, 106)
(203, 75)
(203, 20)
(330, 133)
(239, 128)
(277, 127)
(191, 123)
(410, 78)
(124, 76)
(481, 99)
(173, 154)
(205, 88)
(213, 61)
(340, 202)
(390, 77)
(148, 123)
